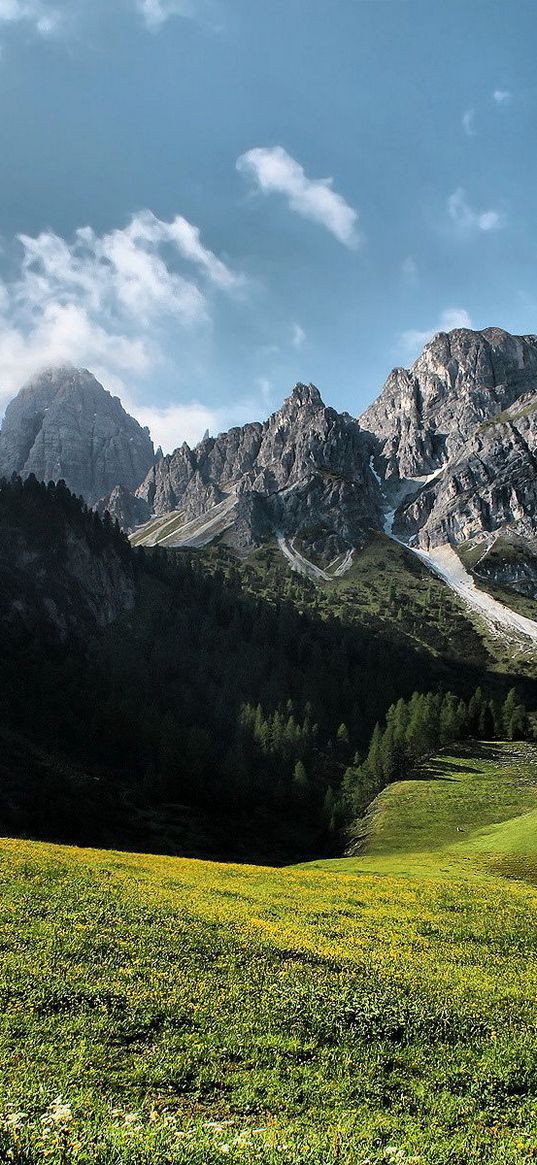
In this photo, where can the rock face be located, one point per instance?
(490, 485)
(465, 416)
(426, 413)
(453, 443)
(59, 575)
(449, 448)
(304, 472)
(63, 424)
(124, 507)
(510, 563)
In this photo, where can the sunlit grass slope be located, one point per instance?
(381, 1008)
(481, 802)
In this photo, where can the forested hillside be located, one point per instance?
(170, 701)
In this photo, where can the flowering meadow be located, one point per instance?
(378, 1009)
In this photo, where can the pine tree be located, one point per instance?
(388, 753)
(508, 712)
(486, 722)
(374, 756)
(350, 786)
(514, 717)
(475, 712)
(451, 723)
(300, 776)
(342, 737)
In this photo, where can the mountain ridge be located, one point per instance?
(446, 454)
(305, 471)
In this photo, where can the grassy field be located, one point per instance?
(380, 1008)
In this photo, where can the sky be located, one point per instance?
(205, 201)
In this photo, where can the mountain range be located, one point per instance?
(209, 700)
(446, 456)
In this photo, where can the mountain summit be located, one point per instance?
(63, 424)
(456, 438)
(304, 473)
(425, 414)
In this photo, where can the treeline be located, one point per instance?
(419, 727)
(41, 511)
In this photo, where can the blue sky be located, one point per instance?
(206, 200)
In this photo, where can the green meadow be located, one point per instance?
(376, 1008)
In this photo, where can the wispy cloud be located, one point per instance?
(155, 13)
(174, 423)
(412, 341)
(274, 171)
(467, 219)
(48, 17)
(298, 336)
(502, 96)
(409, 270)
(264, 387)
(468, 123)
(42, 16)
(103, 300)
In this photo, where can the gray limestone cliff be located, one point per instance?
(305, 472)
(124, 507)
(425, 414)
(64, 425)
(465, 418)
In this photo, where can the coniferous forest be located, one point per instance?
(200, 716)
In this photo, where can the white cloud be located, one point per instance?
(489, 220)
(275, 171)
(412, 341)
(124, 270)
(468, 123)
(47, 18)
(298, 336)
(502, 96)
(156, 12)
(186, 238)
(102, 300)
(41, 15)
(467, 219)
(66, 334)
(171, 425)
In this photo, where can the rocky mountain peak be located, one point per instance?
(64, 424)
(299, 407)
(456, 438)
(461, 380)
(304, 471)
(485, 358)
(306, 394)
